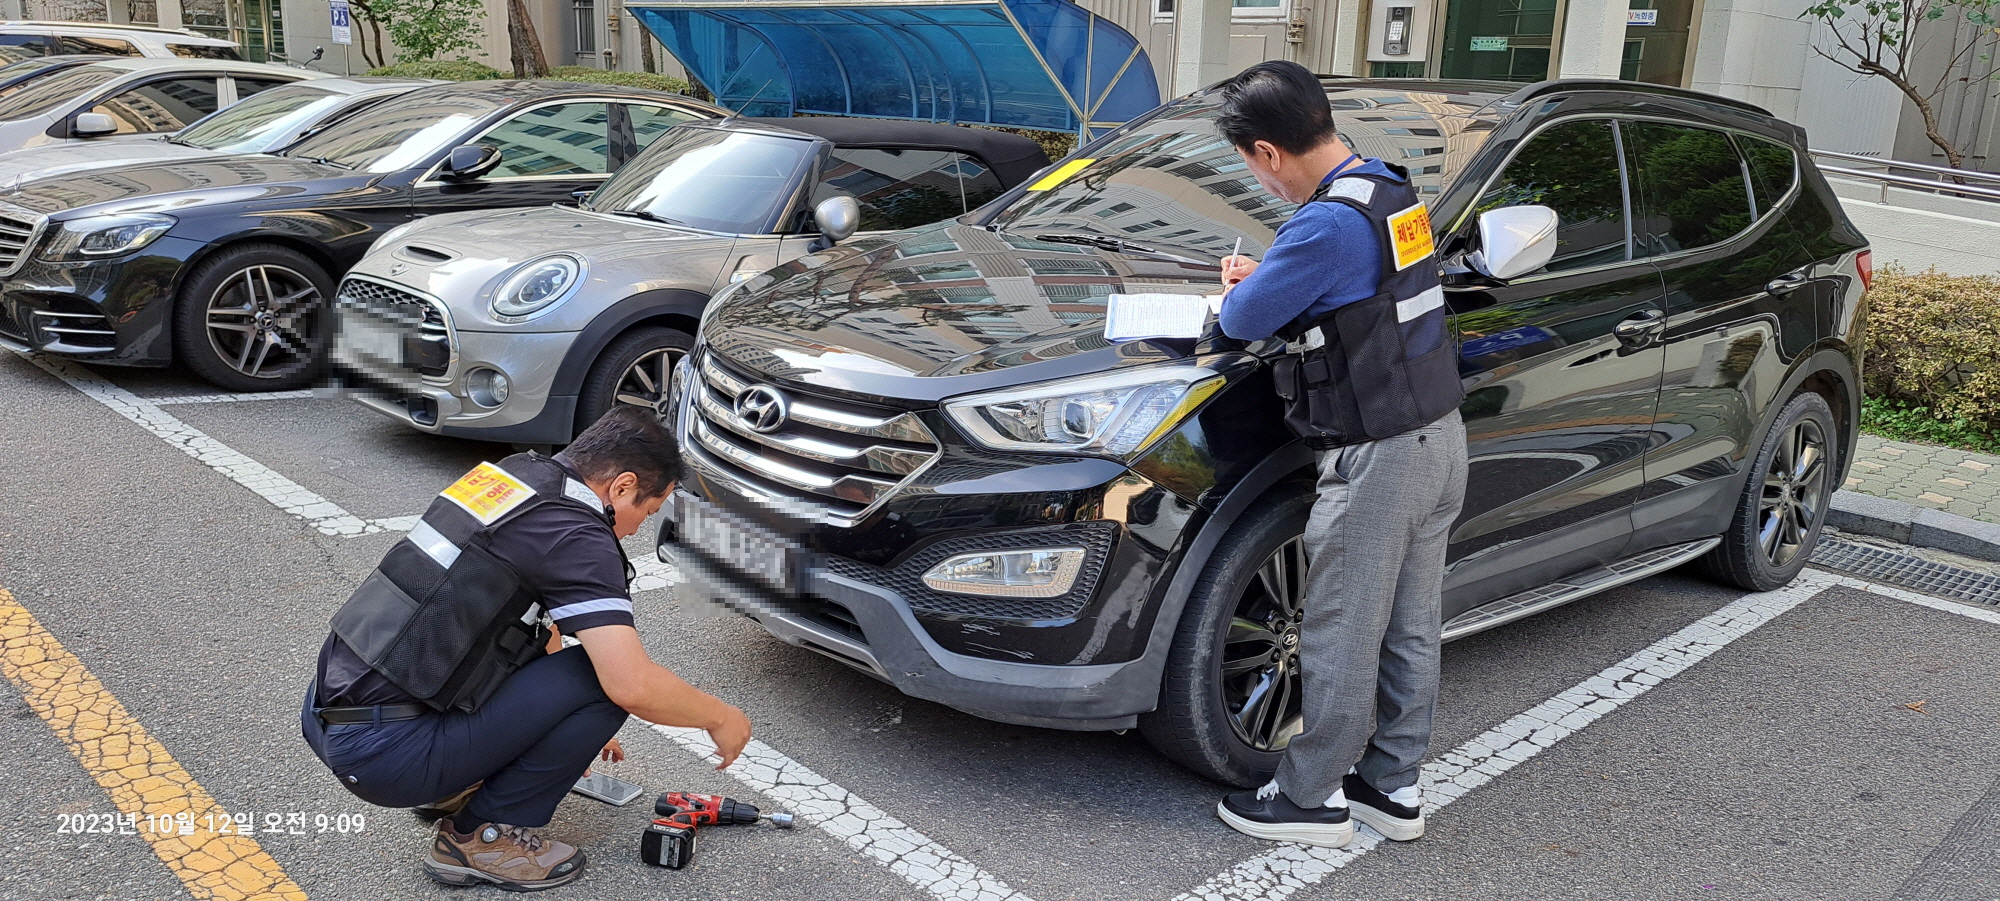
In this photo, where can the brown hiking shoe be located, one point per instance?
(514, 858)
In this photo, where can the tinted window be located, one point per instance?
(16, 47)
(1690, 187)
(649, 122)
(78, 43)
(250, 126)
(166, 105)
(194, 51)
(247, 87)
(1772, 170)
(708, 179)
(45, 94)
(898, 188)
(1571, 168)
(401, 133)
(566, 139)
(14, 75)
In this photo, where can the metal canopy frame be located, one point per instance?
(1047, 64)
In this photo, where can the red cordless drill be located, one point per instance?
(715, 810)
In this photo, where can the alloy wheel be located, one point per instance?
(261, 321)
(649, 380)
(1261, 689)
(1795, 493)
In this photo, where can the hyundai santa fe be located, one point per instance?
(919, 455)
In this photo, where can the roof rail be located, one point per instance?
(108, 26)
(1557, 85)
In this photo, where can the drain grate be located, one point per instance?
(1905, 571)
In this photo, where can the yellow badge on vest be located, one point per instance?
(1410, 233)
(488, 493)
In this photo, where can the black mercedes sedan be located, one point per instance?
(226, 265)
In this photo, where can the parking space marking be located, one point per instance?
(322, 514)
(302, 394)
(142, 779)
(1983, 614)
(1283, 870)
(861, 825)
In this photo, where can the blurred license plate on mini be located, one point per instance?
(381, 343)
(743, 547)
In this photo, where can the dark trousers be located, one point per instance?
(529, 742)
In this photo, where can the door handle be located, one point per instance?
(1786, 284)
(1640, 326)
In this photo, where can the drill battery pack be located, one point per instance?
(667, 844)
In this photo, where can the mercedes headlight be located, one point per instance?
(96, 237)
(536, 286)
(1115, 415)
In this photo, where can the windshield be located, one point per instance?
(401, 133)
(14, 75)
(710, 179)
(44, 94)
(261, 122)
(1172, 183)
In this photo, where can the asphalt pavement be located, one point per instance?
(1669, 739)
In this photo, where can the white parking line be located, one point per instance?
(1283, 870)
(322, 514)
(1983, 614)
(303, 394)
(861, 825)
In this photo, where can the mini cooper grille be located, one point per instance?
(908, 579)
(16, 233)
(848, 456)
(403, 310)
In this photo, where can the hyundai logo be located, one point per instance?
(761, 408)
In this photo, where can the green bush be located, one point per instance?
(666, 83)
(1933, 350)
(446, 69)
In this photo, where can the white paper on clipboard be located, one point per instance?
(1130, 317)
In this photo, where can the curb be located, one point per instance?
(1866, 514)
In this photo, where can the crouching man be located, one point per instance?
(445, 683)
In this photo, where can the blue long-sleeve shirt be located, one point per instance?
(1325, 257)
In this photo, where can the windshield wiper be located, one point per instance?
(643, 214)
(326, 162)
(1116, 245)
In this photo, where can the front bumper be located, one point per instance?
(441, 405)
(872, 629)
(106, 311)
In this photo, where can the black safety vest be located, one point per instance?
(1377, 367)
(443, 618)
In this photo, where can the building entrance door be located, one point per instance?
(1503, 40)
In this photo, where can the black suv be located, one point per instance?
(918, 455)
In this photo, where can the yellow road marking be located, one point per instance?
(138, 773)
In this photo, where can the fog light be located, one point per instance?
(487, 387)
(1039, 573)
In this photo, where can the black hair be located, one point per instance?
(1277, 101)
(627, 439)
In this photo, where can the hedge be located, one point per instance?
(1934, 345)
(467, 70)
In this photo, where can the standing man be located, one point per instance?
(1371, 382)
(441, 681)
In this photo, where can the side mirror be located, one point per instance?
(581, 196)
(470, 161)
(837, 218)
(1514, 240)
(93, 125)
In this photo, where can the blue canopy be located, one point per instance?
(1047, 64)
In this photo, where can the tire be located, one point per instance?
(254, 318)
(1197, 723)
(1784, 502)
(630, 370)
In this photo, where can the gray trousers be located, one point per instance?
(1375, 544)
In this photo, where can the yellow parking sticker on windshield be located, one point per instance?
(1410, 230)
(1061, 174)
(488, 493)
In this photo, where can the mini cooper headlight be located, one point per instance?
(1117, 415)
(537, 286)
(96, 237)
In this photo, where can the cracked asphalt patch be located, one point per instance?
(199, 605)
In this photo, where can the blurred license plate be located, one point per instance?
(746, 548)
(381, 343)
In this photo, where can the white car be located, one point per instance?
(131, 97)
(25, 39)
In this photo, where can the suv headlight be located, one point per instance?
(1115, 415)
(537, 286)
(96, 237)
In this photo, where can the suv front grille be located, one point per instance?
(17, 232)
(848, 457)
(401, 310)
